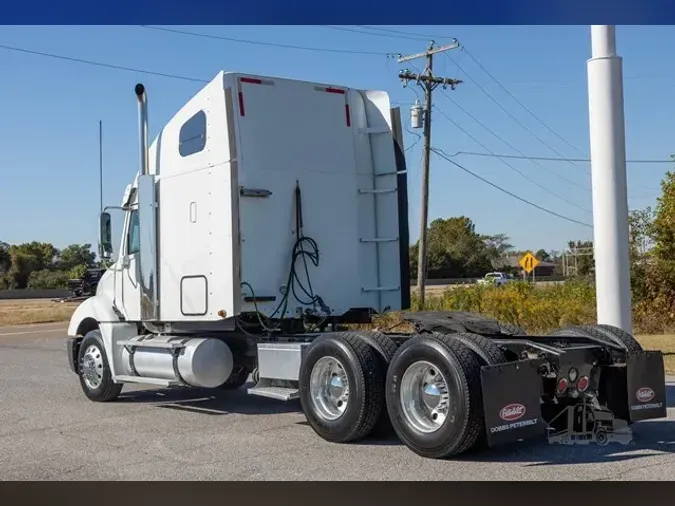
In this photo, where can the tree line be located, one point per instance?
(456, 250)
(40, 265)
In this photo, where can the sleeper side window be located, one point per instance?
(192, 136)
(133, 237)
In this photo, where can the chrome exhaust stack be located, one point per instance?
(147, 271)
(143, 126)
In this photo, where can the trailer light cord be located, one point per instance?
(290, 288)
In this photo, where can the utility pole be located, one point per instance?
(100, 164)
(428, 82)
(100, 183)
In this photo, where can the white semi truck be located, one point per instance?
(267, 215)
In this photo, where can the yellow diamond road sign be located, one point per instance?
(528, 262)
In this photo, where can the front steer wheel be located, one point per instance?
(94, 370)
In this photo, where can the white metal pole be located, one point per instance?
(608, 162)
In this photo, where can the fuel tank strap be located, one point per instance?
(177, 352)
(131, 350)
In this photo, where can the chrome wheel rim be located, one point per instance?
(424, 397)
(92, 367)
(329, 388)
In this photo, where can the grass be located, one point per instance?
(663, 342)
(27, 311)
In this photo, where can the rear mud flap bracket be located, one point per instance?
(646, 382)
(512, 401)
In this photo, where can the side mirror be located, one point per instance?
(105, 236)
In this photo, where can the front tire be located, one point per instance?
(94, 370)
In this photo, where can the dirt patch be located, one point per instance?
(21, 312)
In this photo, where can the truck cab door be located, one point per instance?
(128, 281)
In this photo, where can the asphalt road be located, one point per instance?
(50, 431)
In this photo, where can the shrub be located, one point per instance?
(46, 279)
(537, 308)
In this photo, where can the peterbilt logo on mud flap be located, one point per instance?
(644, 394)
(511, 413)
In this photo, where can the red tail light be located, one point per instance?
(582, 384)
(562, 385)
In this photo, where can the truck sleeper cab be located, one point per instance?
(270, 213)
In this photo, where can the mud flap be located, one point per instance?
(511, 401)
(646, 381)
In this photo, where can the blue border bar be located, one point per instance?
(303, 12)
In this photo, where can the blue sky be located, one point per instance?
(51, 109)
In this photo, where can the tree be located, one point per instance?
(5, 258)
(497, 248)
(46, 280)
(640, 223)
(662, 232)
(455, 250)
(543, 255)
(26, 258)
(74, 255)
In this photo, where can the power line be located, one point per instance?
(440, 153)
(488, 129)
(525, 127)
(401, 32)
(529, 111)
(100, 64)
(468, 53)
(269, 44)
(363, 32)
(550, 159)
(509, 165)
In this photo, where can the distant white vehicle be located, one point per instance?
(495, 278)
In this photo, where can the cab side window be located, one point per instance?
(133, 236)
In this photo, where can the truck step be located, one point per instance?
(148, 381)
(279, 393)
(152, 344)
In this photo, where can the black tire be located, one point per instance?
(386, 349)
(237, 379)
(620, 336)
(93, 351)
(511, 330)
(464, 425)
(602, 333)
(383, 344)
(365, 375)
(486, 351)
